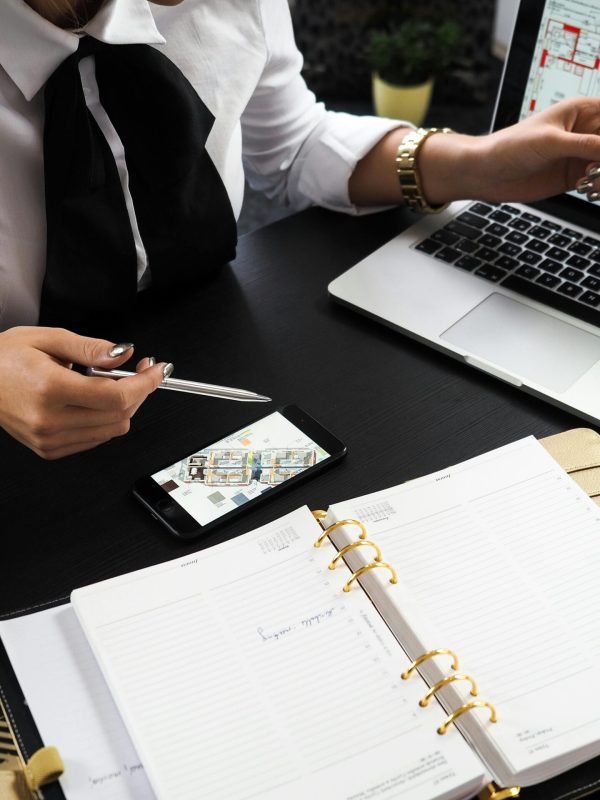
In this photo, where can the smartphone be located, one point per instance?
(221, 479)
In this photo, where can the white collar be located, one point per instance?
(31, 48)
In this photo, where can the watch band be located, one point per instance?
(407, 167)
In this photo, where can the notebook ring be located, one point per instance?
(366, 568)
(457, 676)
(351, 546)
(463, 710)
(440, 651)
(329, 530)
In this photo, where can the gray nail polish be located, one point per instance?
(168, 370)
(151, 361)
(119, 349)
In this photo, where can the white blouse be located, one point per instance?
(241, 58)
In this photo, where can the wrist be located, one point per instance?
(451, 167)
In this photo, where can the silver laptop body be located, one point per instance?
(512, 290)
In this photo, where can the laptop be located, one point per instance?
(511, 289)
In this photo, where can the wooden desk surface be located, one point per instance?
(265, 323)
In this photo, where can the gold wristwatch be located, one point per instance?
(408, 170)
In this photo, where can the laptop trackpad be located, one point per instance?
(527, 343)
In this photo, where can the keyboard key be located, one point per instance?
(594, 270)
(500, 216)
(552, 225)
(573, 234)
(519, 224)
(559, 240)
(581, 248)
(468, 262)
(481, 208)
(536, 291)
(487, 254)
(529, 257)
(539, 232)
(591, 283)
(448, 254)
(506, 262)
(570, 274)
(545, 279)
(510, 209)
(527, 272)
(591, 240)
(491, 273)
(537, 246)
(530, 217)
(579, 262)
(473, 219)
(463, 230)
(489, 241)
(495, 229)
(570, 289)
(557, 254)
(428, 246)
(508, 249)
(445, 237)
(590, 297)
(594, 255)
(550, 266)
(516, 237)
(467, 246)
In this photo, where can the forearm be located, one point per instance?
(450, 168)
(543, 155)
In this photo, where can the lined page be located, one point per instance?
(244, 671)
(498, 559)
(72, 707)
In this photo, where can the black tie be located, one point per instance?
(183, 212)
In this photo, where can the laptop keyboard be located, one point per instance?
(531, 255)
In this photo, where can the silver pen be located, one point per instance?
(178, 385)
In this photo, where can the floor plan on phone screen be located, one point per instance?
(218, 478)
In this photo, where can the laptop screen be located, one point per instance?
(554, 54)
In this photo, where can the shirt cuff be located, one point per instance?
(326, 161)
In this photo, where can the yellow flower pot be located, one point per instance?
(401, 102)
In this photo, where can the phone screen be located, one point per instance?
(221, 477)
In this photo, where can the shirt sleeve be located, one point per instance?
(293, 148)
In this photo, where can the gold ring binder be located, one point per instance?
(492, 792)
(457, 676)
(366, 568)
(441, 651)
(463, 710)
(351, 546)
(328, 531)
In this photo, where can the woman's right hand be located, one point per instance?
(56, 411)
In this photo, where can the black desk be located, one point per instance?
(265, 323)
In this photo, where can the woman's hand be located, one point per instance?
(56, 411)
(541, 156)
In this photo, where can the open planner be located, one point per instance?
(416, 643)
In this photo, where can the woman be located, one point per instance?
(239, 65)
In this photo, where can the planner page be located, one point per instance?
(498, 560)
(245, 671)
(72, 706)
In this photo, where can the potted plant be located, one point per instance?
(404, 60)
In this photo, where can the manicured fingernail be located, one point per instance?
(168, 370)
(582, 188)
(119, 349)
(594, 196)
(151, 361)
